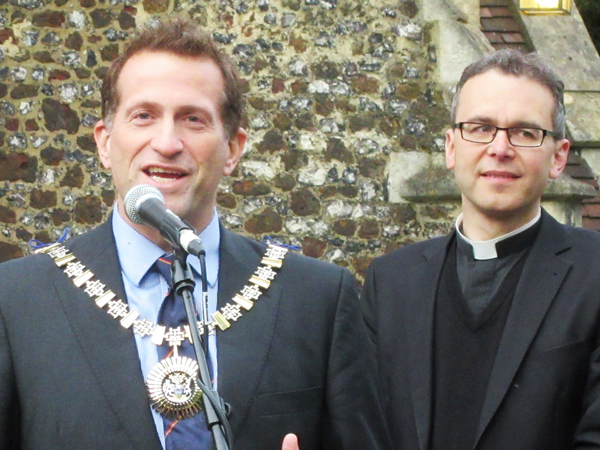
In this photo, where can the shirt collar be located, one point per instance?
(137, 253)
(483, 250)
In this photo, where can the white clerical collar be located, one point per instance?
(483, 250)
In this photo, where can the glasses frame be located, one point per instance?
(545, 133)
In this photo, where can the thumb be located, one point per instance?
(290, 442)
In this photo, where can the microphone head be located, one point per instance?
(136, 196)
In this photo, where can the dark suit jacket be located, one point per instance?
(299, 361)
(544, 389)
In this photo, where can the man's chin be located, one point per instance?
(183, 212)
(507, 212)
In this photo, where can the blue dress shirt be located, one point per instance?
(146, 289)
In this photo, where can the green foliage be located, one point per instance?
(590, 12)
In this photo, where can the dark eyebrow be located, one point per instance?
(519, 124)
(183, 110)
(194, 109)
(480, 119)
(144, 104)
(525, 124)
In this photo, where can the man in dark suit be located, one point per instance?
(487, 338)
(79, 332)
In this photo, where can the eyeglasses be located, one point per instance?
(482, 133)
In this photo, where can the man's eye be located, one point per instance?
(142, 116)
(196, 121)
(483, 129)
(526, 133)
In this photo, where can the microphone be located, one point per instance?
(145, 205)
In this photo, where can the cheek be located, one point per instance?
(541, 167)
(462, 166)
(210, 152)
(125, 148)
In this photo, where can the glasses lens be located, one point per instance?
(478, 132)
(526, 137)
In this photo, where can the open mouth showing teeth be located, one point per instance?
(163, 175)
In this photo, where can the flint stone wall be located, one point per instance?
(333, 89)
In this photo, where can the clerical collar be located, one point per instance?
(499, 247)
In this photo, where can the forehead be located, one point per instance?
(150, 73)
(505, 100)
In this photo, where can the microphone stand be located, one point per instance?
(183, 283)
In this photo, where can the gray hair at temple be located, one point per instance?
(529, 65)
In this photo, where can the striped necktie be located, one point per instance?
(184, 434)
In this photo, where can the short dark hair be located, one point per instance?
(181, 37)
(529, 65)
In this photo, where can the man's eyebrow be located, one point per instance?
(142, 104)
(480, 119)
(183, 109)
(518, 124)
(526, 124)
(186, 109)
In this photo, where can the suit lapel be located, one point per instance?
(110, 349)
(542, 276)
(243, 348)
(419, 315)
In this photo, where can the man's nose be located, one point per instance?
(167, 140)
(501, 147)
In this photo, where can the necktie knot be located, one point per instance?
(172, 312)
(163, 266)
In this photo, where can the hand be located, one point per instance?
(290, 442)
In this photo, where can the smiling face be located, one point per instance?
(501, 185)
(167, 132)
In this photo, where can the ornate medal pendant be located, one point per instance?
(172, 388)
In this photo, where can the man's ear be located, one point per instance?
(559, 158)
(236, 149)
(102, 138)
(449, 146)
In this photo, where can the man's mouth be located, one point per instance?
(499, 175)
(163, 175)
